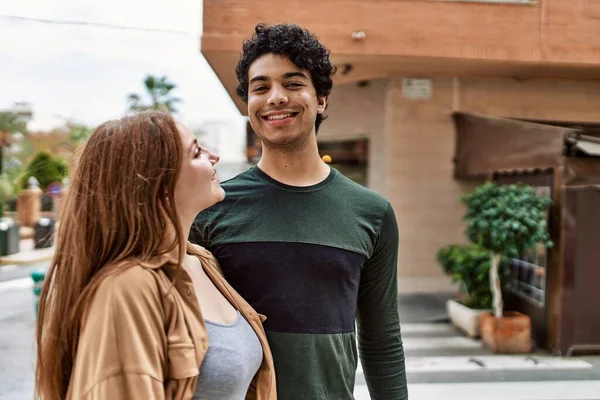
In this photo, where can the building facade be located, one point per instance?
(404, 66)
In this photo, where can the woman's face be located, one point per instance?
(197, 187)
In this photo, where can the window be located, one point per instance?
(527, 274)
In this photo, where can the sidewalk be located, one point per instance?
(443, 363)
(28, 254)
(423, 307)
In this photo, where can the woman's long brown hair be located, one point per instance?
(116, 212)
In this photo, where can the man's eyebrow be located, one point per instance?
(261, 78)
(288, 75)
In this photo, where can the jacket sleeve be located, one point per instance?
(122, 346)
(379, 340)
(127, 386)
(251, 394)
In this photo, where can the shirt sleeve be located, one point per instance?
(379, 339)
(121, 352)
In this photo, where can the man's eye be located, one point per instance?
(260, 88)
(294, 84)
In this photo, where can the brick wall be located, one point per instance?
(556, 31)
(357, 112)
(566, 100)
(421, 187)
(413, 145)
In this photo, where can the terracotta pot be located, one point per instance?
(509, 334)
(29, 206)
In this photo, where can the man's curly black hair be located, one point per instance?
(299, 45)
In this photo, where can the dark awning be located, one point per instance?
(588, 145)
(487, 144)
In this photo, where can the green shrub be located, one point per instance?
(506, 221)
(6, 191)
(46, 169)
(468, 265)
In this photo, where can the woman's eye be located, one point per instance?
(198, 152)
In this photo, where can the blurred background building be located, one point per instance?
(226, 137)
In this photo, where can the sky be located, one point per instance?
(85, 73)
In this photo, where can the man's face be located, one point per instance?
(282, 101)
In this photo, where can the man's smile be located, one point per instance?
(279, 118)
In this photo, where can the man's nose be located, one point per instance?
(278, 96)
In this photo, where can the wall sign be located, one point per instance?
(417, 89)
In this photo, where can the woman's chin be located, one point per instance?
(219, 195)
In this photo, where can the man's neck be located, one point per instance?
(300, 166)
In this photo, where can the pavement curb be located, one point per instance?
(28, 257)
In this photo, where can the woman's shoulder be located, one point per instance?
(207, 259)
(196, 249)
(130, 283)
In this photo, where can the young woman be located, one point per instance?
(129, 309)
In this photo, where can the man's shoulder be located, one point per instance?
(241, 180)
(349, 190)
(239, 191)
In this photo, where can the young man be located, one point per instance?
(304, 245)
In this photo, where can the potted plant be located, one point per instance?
(505, 220)
(467, 265)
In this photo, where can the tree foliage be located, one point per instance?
(46, 169)
(158, 90)
(6, 191)
(506, 219)
(78, 133)
(11, 123)
(468, 265)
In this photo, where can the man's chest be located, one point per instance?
(300, 287)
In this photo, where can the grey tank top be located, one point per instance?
(234, 356)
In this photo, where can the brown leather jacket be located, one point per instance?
(145, 338)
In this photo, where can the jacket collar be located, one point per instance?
(160, 260)
(266, 376)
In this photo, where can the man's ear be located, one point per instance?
(321, 104)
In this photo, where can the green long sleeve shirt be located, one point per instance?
(321, 263)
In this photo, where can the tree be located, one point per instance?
(78, 133)
(6, 190)
(10, 123)
(158, 90)
(506, 220)
(46, 169)
(469, 265)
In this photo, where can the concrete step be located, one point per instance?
(532, 390)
